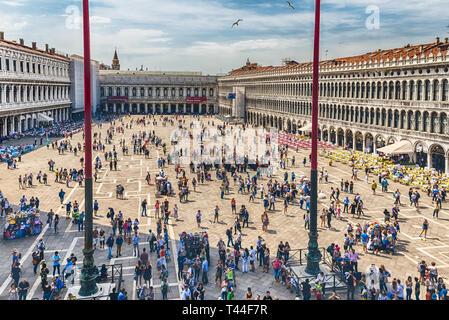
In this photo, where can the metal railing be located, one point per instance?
(298, 257)
(115, 275)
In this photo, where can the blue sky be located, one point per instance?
(196, 35)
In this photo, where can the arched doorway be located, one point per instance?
(421, 154)
(349, 139)
(325, 135)
(380, 142)
(438, 159)
(340, 137)
(359, 141)
(369, 143)
(333, 135)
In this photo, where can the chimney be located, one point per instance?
(438, 40)
(46, 47)
(33, 44)
(2, 35)
(52, 50)
(446, 40)
(21, 42)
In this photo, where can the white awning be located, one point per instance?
(306, 128)
(44, 117)
(401, 147)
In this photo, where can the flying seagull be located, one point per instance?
(290, 5)
(236, 23)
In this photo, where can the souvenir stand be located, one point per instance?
(22, 223)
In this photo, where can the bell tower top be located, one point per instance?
(115, 61)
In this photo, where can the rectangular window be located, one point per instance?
(14, 65)
(34, 68)
(21, 66)
(7, 64)
(28, 67)
(39, 68)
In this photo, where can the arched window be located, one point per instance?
(142, 91)
(119, 91)
(436, 90)
(134, 91)
(404, 90)
(390, 90)
(397, 91)
(126, 92)
(412, 90)
(427, 90)
(445, 90)
(419, 97)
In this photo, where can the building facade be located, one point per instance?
(77, 86)
(365, 102)
(34, 86)
(157, 92)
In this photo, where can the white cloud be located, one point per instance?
(13, 3)
(99, 20)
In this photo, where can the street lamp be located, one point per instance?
(89, 270)
(314, 255)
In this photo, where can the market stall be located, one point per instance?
(22, 223)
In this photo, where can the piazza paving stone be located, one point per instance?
(131, 173)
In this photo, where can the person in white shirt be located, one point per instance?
(186, 293)
(320, 279)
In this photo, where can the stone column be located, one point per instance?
(146, 108)
(122, 108)
(5, 128)
(3, 93)
(11, 92)
(13, 124)
(25, 127)
(429, 159)
(114, 107)
(446, 163)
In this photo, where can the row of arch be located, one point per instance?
(434, 155)
(156, 108)
(415, 120)
(426, 90)
(10, 93)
